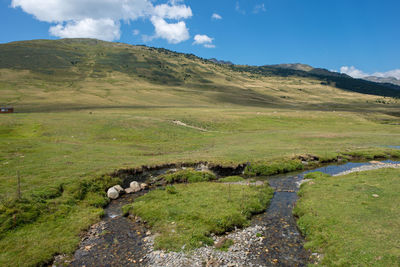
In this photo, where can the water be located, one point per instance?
(118, 240)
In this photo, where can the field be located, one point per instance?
(80, 122)
(356, 222)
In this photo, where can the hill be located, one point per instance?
(37, 75)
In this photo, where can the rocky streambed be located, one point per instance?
(272, 239)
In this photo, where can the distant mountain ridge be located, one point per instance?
(376, 79)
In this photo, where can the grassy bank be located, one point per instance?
(185, 216)
(352, 220)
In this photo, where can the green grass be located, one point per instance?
(266, 169)
(231, 179)
(342, 219)
(188, 176)
(187, 217)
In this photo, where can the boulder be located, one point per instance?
(135, 186)
(112, 193)
(143, 186)
(118, 188)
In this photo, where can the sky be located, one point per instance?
(357, 37)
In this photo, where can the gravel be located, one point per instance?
(239, 254)
(373, 166)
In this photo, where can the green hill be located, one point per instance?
(37, 75)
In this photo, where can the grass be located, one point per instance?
(185, 218)
(188, 176)
(89, 108)
(343, 220)
(231, 179)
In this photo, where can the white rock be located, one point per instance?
(143, 186)
(135, 186)
(112, 193)
(129, 190)
(118, 188)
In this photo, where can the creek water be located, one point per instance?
(118, 241)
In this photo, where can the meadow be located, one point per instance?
(88, 116)
(356, 221)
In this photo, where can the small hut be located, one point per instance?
(6, 109)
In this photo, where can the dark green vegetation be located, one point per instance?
(187, 217)
(188, 176)
(354, 219)
(86, 108)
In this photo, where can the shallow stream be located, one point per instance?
(118, 241)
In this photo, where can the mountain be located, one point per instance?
(45, 75)
(223, 62)
(295, 66)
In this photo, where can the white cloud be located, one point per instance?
(173, 32)
(101, 18)
(206, 41)
(135, 32)
(216, 16)
(353, 72)
(259, 8)
(104, 29)
(173, 12)
(356, 73)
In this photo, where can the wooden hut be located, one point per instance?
(6, 109)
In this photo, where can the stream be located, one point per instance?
(119, 241)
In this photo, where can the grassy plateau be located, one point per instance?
(85, 108)
(353, 220)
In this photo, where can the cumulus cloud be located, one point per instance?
(101, 18)
(216, 16)
(206, 41)
(353, 72)
(104, 29)
(173, 32)
(356, 73)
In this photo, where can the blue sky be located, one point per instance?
(360, 37)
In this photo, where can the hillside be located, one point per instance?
(66, 74)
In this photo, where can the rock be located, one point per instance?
(375, 195)
(112, 193)
(129, 190)
(220, 243)
(143, 186)
(135, 186)
(119, 188)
